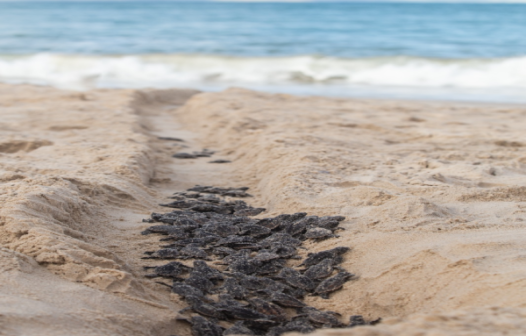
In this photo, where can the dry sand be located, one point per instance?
(434, 195)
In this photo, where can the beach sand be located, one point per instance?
(434, 194)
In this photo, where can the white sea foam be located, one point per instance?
(310, 74)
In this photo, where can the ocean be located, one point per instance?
(473, 52)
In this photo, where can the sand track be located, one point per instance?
(434, 195)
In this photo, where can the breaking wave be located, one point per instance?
(211, 71)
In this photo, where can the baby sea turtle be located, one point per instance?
(249, 211)
(286, 300)
(181, 204)
(222, 229)
(204, 327)
(259, 326)
(238, 328)
(300, 324)
(170, 270)
(223, 251)
(241, 313)
(184, 156)
(236, 241)
(315, 258)
(281, 238)
(284, 251)
(203, 269)
(170, 139)
(207, 207)
(321, 270)
(169, 253)
(165, 230)
(257, 283)
(193, 251)
(271, 267)
(332, 284)
(253, 230)
(266, 256)
(268, 308)
(202, 308)
(220, 161)
(356, 320)
(245, 266)
(184, 290)
(200, 282)
(232, 287)
(319, 234)
(295, 279)
(323, 318)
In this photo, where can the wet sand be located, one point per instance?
(434, 195)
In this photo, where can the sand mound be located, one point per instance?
(434, 203)
(89, 157)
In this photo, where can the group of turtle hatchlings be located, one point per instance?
(255, 292)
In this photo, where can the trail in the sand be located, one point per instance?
(433, 193)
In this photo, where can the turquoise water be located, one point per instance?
(452, 51)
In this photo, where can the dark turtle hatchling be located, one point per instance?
(201, 307)
(319, 234)
(200, 282)
(184, 156)
(301, 225)
(323, 318)
(315, 258)
(180, 204)
(204, 327)
(271, 267)
(184, 242)
(286, 300)
(227, 300)
(276, 331)
(165, 230)
(332, 284)
(298, 293)
(268, 308)
(332, 218)
(209, 198)
(265, 256)
(249, 211)
(295, 279)
(169, 253)
(260, 325)
(284, 251)
(330, 222)
(245, 265)
(241, 254)
(232, 287)
(241, 313)
(193, 251)
(253, 230)
(281, 238)
(256, 283)
(356, 320)
(207, 207)
(321, 270)
(221, 229)
(238, 329)
(223, 251)
(235, 241)
(210, 273)
(300, 324)
(184, 290)
(170, 270)
(375, 322)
